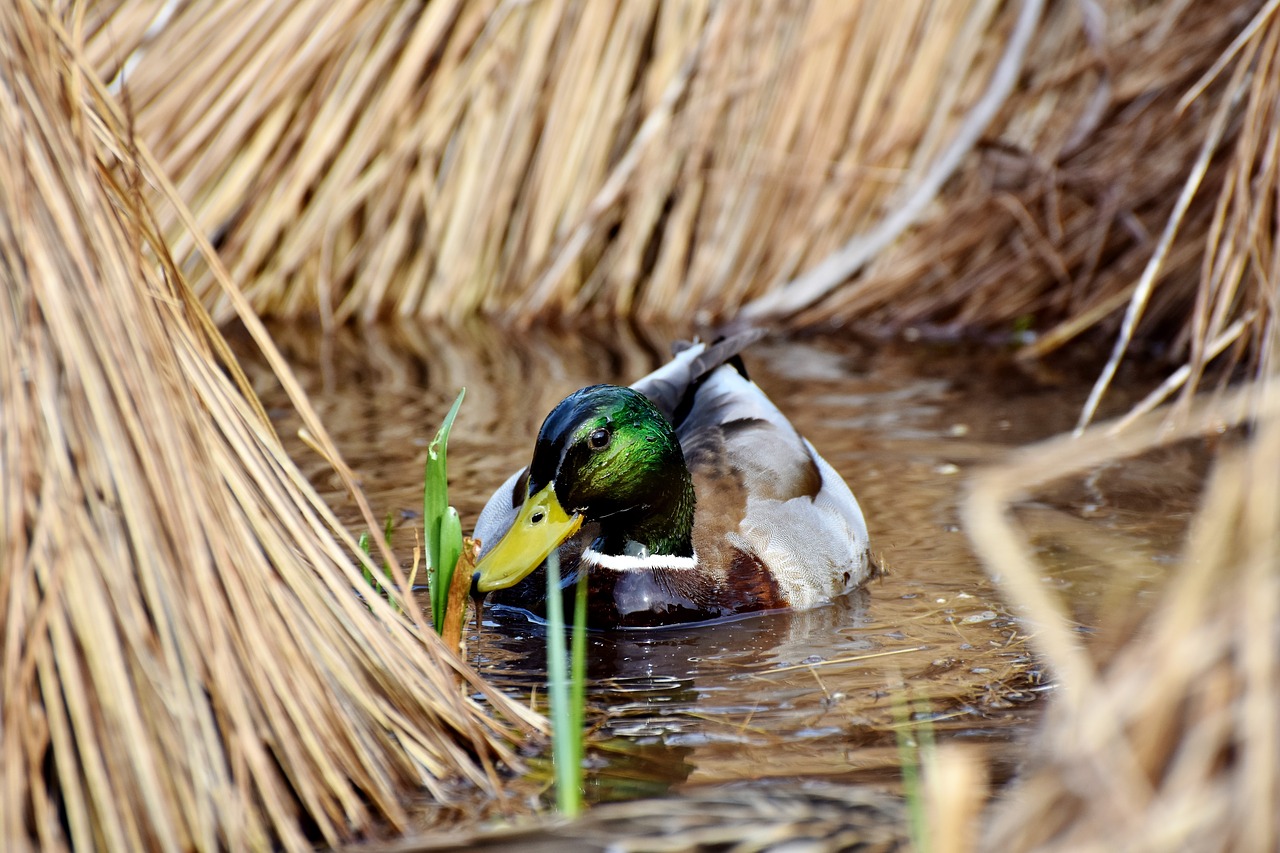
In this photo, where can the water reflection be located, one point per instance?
(658, 659)
(781, 694)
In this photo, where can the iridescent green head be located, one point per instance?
(605, 454)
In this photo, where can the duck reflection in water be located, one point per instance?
(654, 690)
(664, 666)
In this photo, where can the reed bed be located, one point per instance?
(187, 663)
(948, 165)
(1165, 738)
(184, 663)
(534, 159)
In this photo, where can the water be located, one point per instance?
(781, 695)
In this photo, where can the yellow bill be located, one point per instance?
(541, 525)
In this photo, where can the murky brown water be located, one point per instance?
(777, 695)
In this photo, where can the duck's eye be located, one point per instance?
(599, 439)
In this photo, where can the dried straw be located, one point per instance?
(185, 663)
(701, 159)
(1174, 742)
(692, 159)
(652, 158)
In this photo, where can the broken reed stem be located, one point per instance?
(1142, 292)
(459, 595)
(1005, 552)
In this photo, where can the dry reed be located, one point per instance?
(1173, 742)
(666, 160)
(699, 159)
(186, 663)
(541, 158)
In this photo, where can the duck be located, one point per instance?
(685, 497)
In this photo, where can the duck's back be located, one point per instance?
(774, 518)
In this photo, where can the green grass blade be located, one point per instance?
(578, 670)
(564, 752)
(365, 544)
(443, 536)
(388, 528)
(450, 549)
(908, 734)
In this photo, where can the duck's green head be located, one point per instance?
(605, 454)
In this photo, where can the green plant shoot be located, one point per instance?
(567, 699)
(366, 545)
(442, 529)
(578, 673)
(566, 728)
(915, 746)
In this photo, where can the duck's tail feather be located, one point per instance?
(673, 386)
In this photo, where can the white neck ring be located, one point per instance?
(628, 563)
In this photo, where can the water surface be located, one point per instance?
(781, 695)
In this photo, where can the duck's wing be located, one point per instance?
(672, 388)
(766, 498)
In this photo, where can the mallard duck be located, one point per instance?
(685, 497)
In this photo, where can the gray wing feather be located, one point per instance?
(668, 386)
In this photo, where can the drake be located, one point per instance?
(686, 497)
